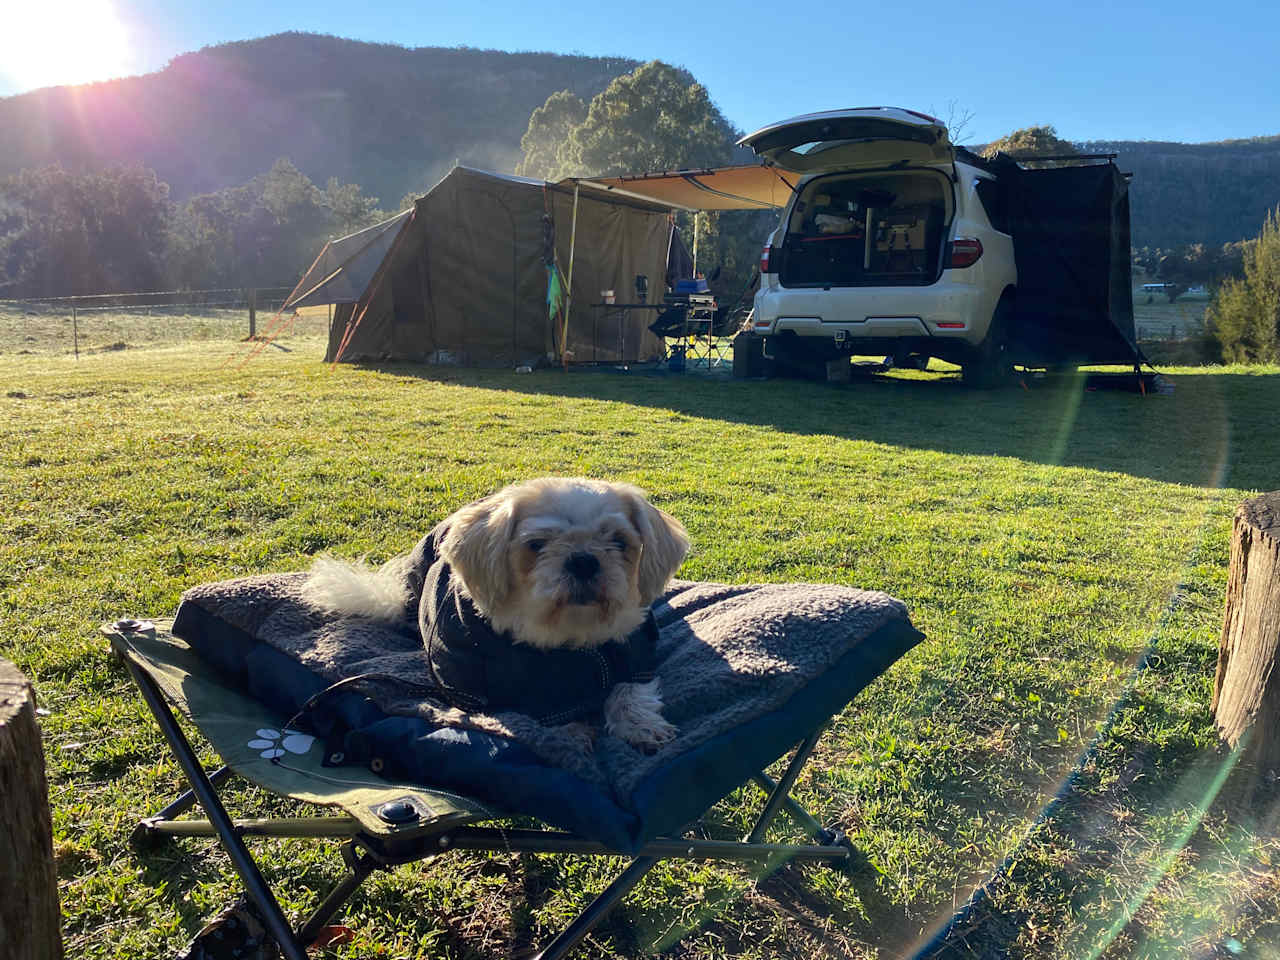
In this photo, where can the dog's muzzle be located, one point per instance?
(582, 569)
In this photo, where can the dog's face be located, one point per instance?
(564, 563)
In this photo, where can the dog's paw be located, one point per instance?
(581, 735)
(633, 713)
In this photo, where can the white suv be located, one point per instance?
(894, 243)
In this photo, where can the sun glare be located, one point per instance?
(51, 42)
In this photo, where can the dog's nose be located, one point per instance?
(583, 566)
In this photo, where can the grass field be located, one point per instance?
(1161, 320)
(54, 330)
(49, 329)
(1064, 550)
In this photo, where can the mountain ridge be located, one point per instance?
(391, 118)
(394, 119)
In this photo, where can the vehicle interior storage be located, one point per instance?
(867, 230)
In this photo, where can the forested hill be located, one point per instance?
(1210, 193)
(392, 119)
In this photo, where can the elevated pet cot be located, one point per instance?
(330, 712)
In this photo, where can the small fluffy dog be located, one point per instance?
(535, 599)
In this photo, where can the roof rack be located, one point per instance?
(1068, 156)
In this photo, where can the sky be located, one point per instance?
(1176, 70)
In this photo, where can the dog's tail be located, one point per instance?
(356, 589)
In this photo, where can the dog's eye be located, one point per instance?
(536, 545)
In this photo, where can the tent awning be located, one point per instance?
(749, 187)
(345, 266)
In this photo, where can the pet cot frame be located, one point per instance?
(409, 836)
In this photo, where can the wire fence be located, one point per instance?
(115, 321)
(1155, 319)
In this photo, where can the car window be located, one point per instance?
(995, 202)
(839, 203)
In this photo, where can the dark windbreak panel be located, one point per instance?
(882, 229)
(1071, 243)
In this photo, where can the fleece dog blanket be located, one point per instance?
(746, 672)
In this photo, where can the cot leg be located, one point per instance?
(783, 789)
(187, 800)
(855, 863)
(597, 910)
(361, 867)
(144, 834)
(254, 884)
(798, 813)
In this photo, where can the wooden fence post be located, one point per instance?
(1246, 691)
(29, 917)
(253, 313)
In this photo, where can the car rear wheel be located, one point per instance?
(990, 366)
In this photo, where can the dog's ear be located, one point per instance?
(664, 544)
(476, 544)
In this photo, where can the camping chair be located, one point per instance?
(242, 686)
(705, 334)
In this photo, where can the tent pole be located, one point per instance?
(695, 242)
(568, 303)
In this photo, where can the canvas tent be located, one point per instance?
(462, 277)
(345, 266)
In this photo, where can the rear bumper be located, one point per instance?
(947, 310)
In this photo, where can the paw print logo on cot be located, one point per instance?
(274, 744)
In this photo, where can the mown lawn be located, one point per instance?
(1064, 550)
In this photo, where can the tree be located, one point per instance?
(348, 207)
(655, 118)
(221, 238)
(548, 132)
(116, 230)
(68, 233)
(1039, 141)
(1244, 315)
(957, 119)
(134, 223)
(1197, 264)
(1145, 259)
(265, 233)
(1231, 260)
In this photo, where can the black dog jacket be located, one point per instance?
(478, 669)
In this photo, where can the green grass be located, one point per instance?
(1045, 540)
(44, 329)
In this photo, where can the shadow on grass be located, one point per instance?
(1207, 433)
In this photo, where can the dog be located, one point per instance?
(536, 598)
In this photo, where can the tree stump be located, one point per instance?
(1246, 691)
(29, 918)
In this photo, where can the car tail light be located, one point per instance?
(965, 251)
(765, 254)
